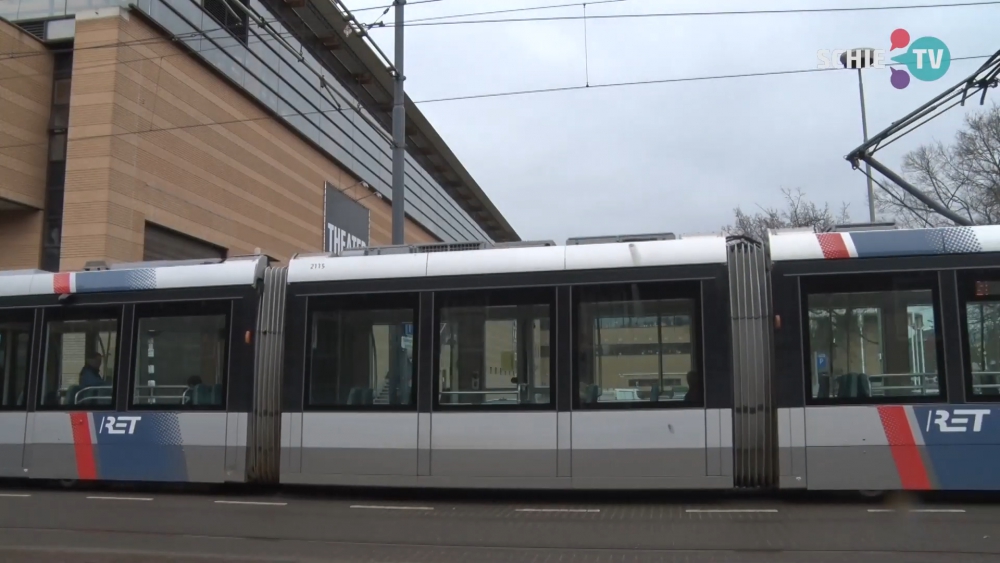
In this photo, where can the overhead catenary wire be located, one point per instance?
(408, 3)
(652, 81)
(513, 10)
(706, 14)
(304, 114)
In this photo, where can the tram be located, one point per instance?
(860, 359)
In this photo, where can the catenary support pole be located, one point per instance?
(398, 134)
(912, 190)
(864, 129)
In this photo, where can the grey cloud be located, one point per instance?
(678, 156)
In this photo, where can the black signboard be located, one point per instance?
(346, 222)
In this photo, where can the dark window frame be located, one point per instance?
(690, 290)
(880, 282)
(495, 297)
(76, 313)
(967, 296)
(239, 29)
(192, 308)
(27, 317)
(359, 302)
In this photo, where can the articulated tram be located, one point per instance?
(864, 359)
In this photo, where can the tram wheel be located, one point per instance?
(872, 494)
(68, 483)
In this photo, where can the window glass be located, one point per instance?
(633, 349)
(495, 355)
(57, 147)
(80, 363)
(362, 357)
(15, 348)
(61, 91)
(873, 345)
(983, 328)
(181, 361)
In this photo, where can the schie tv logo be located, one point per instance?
(119, 424)
(927, 58)
(956, 421)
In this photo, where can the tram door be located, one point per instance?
(494, 411)
(15, 347)
(640, 411)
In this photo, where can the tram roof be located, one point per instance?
(135, 277)
(808, 245)
(412, 262)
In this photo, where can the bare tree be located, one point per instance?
(965, 177)
(798, 212)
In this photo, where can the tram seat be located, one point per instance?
(853, 385)
(654, 394)
(217, 398)
(591, 393)
(360, 396)
(201, 394)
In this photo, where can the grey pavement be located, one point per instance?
(106, 527)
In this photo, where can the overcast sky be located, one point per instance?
(670, 157)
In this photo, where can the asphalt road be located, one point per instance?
(153, 527)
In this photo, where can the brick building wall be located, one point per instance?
(25, 95)
(156, 136)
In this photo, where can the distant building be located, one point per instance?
(185, 129)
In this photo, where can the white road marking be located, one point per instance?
(378, 507)
(121, 498)
(12, 495)
(557, 510)
(732, 510)
(945, 510)
(881, 510)
(251, 503)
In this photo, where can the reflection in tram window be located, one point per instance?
(15, 340)
(80, 363)
(180, 361)
(873, 345)
(637, 351)
(495, 355)
(361, 358)
(984, 347)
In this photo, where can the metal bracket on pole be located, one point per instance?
(912, 190)
(980, 81)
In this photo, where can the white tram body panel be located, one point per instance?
(429, 444)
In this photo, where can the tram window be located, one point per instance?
(15, 347)
(494, 349)
(636, 346)
(80, 362)
(181, 358)
(361, 357)
(879, 345)
(983, 325)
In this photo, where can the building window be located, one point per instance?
(230, 16)
(56, 170)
